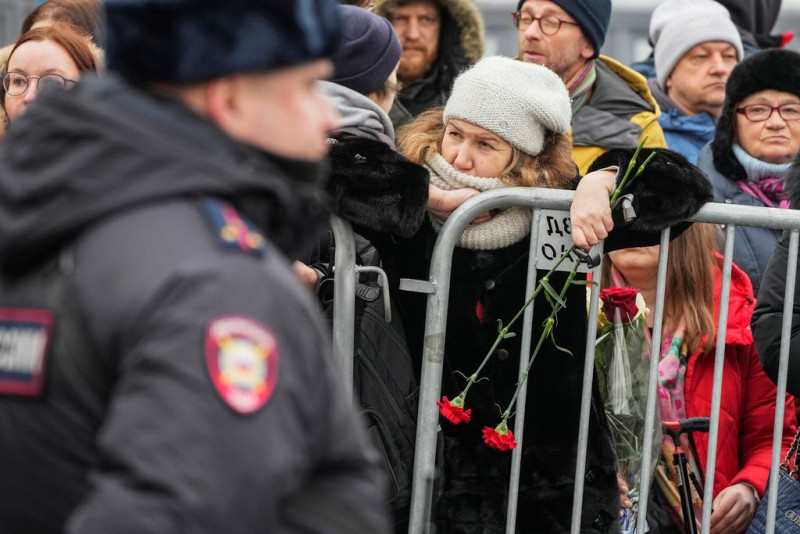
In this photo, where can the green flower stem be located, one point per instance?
(504, 331)
(631, 165)
(549, 323)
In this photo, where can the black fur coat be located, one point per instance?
(474, 499)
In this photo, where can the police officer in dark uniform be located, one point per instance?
(161, 370)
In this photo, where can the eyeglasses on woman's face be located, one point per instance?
(17, 83)
(762, 112)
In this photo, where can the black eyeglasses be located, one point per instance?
(548, 24)
(762, 112)
(17, 84)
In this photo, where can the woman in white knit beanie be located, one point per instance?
(507, 124)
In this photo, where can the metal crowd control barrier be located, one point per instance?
(438, 289)
(346, 272)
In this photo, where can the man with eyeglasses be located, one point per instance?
(611, 105)
(440, 38)
(161, 369)
(696, 46)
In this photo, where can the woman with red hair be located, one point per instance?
(52, 56)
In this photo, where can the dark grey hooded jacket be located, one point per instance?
(118, 182)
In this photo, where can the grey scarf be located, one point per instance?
(359, 115)
(508, 226)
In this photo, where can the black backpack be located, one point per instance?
(384, 381)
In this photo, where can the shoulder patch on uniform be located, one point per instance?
(242, 359)
(233, 231)
(25, 336)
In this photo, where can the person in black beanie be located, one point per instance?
(756, 138)
(611, 105)
(161, 369)
(363, 88)
(381, 194)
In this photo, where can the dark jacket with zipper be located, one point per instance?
(768, 315)
(122, 182)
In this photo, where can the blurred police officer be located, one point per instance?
(161, 371)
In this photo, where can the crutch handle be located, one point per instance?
(693, 424)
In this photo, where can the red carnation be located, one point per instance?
(499, 437)
(454, 410)
(622, 299)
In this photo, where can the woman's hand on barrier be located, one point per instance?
(624, 501)
(590, 213)
(733, 509)
(307, 276)
(442, 204)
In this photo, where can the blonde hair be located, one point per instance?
(552, 167)
(691, 268)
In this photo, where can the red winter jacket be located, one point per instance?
(747, 413)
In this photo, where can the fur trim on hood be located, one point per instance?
(463, 12)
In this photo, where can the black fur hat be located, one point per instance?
(668, 191)
(775, 69)
(185, 41)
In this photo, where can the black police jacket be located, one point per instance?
(204, 399)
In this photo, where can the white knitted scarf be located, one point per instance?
(508, 226)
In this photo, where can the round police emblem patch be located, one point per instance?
(242, 359)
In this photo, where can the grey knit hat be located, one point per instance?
(677, 26)
(518, 101)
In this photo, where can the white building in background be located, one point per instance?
(626, 40)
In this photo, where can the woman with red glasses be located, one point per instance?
(756, 138)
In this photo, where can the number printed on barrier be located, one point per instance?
(555, 238)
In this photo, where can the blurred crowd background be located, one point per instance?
(626, 39)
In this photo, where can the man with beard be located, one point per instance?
(611, 105)
(696, 46)
(440, 38)
(161, 370)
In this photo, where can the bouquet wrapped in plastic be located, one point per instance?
(622, 362)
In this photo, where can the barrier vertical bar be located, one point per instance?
(524, 359)
(716, 395)
(586, 399)
(783, 372)
(655, 353)
(344, 290)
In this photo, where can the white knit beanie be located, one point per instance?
(677, 26)
(518, 101)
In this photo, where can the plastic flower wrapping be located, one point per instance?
(622, 363)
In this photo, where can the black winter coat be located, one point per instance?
(474, 499)
(167, 297)
(768, 315)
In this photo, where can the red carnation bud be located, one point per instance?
(499, 437)
(622, 300)
(454, 410)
